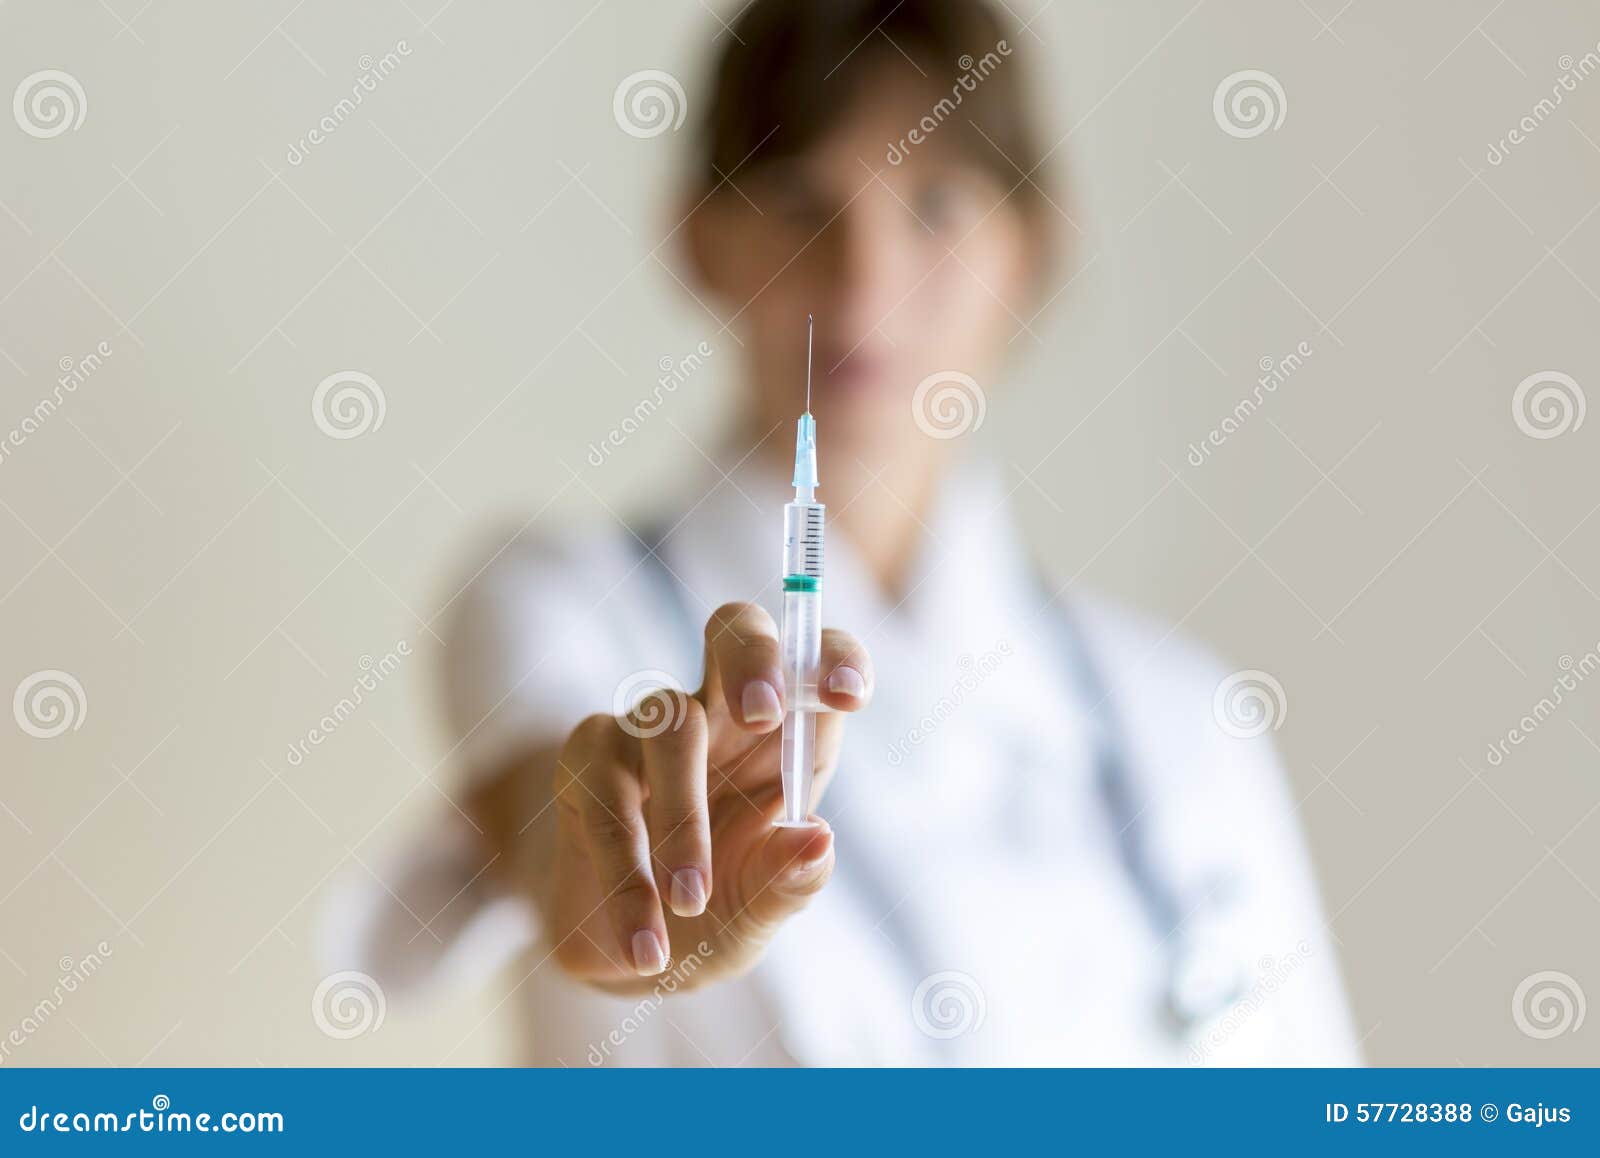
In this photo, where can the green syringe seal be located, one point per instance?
(801, 583)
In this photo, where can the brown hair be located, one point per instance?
(792, 69)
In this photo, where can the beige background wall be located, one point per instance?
(182, 538)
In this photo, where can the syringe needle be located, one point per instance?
(808, 362)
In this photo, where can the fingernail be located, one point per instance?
(812, 865)
(688, 892)
(808, 868)
(847, 681)
(803, 874)
(760, 703)
(648, 957)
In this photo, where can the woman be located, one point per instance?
(1038, 844)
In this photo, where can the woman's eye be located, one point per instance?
(793, 207)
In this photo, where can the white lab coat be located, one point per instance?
(980, 912)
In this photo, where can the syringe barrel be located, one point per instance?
(801, 645)
(802, 649)
(802, 602)
(802, 656)
(802, 540)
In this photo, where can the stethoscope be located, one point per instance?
(1200, 981)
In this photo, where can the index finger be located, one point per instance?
(744, 672)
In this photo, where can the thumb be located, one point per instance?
(783, 872)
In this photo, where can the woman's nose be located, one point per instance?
(869, 257)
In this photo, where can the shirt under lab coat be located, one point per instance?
(982, 911)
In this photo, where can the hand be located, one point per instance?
(665, 836)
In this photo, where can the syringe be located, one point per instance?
(802, 619)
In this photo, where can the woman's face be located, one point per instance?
(911, 269)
